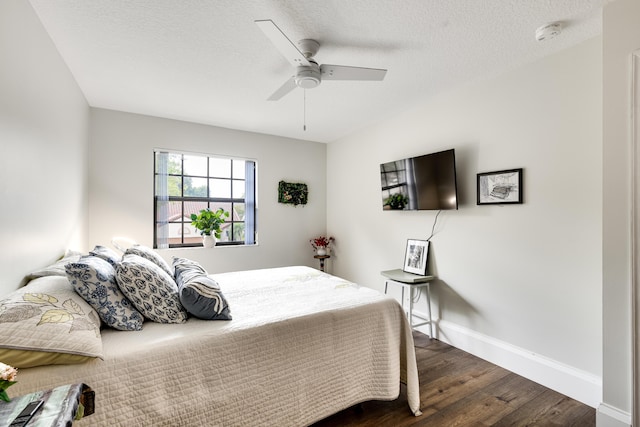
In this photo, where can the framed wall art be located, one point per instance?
(415, 257)
(292, 193)
(500, 187)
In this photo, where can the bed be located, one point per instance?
(302, 345)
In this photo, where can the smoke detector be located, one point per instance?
(548, 31)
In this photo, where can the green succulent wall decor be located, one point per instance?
(292, 193)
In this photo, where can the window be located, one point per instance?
(187, 183)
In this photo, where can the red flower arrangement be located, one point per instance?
(321, 242)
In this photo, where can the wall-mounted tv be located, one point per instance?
(420, 183)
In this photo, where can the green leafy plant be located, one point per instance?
(396, 201)
(209, 222)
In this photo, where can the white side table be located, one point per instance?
(412, 282)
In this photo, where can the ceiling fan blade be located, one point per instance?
(342, 72)
(282, 43)
(287, 87)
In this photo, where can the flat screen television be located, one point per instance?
(425, 182)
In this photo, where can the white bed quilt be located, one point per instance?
(302, 345)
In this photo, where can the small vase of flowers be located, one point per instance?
(321, 244)
(7, 379)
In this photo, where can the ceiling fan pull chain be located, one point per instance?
(304, 109)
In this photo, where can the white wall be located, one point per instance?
(526, 276)
(522, 277)
(121, 187)
(621, 37)
(43, 138)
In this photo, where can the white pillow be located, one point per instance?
(57, 268)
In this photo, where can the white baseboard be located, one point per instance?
(608, 416)
(575, 383)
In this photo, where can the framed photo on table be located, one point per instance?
(415, 257)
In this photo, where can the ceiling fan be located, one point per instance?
(309, 73)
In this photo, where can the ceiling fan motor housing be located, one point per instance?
(308, 77)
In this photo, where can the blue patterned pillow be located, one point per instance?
(150, 255)
(199, 293)
(94, 279)
(107, 254)
(151, 290)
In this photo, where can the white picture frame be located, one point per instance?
(415, 257)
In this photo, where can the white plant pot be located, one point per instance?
(208, 241)
(321, 251)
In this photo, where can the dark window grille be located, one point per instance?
(187, 183)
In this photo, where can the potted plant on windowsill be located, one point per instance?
(209, 222)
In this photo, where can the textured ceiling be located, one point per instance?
(206, 61)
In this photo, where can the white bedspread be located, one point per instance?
(302, 345)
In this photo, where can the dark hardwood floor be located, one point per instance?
(458, 389)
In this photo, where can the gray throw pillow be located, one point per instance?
(200, 294)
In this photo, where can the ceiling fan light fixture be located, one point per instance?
(308, 77)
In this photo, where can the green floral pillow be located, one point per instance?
(47, 322)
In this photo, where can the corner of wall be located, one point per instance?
(608, 416)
